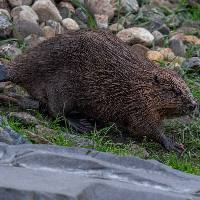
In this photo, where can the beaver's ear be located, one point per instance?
(156, 79)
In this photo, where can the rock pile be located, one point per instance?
(133, 22)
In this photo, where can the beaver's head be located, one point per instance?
(173, 95)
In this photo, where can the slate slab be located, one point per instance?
(56, 173)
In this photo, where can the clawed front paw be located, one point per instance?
(171, 145)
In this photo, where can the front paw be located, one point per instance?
(170, 145)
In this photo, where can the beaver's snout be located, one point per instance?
(192, 106)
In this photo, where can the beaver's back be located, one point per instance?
(76, 51)
(92, 68)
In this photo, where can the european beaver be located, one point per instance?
(95, 73)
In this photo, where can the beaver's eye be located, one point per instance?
(177, 92)
(156, 79)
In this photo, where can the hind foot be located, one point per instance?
(81, 123)
(170, 145)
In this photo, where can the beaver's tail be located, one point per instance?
(3, 73)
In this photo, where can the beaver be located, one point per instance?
(95, 73)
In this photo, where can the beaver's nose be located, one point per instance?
(193, 105)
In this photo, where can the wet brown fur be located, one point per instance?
(95, 73)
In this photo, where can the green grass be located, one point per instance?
(193, 50)
(19, 43)
(189, 12)
(195, 88)
(91, 22)
(104, 140)
(195, 13)
(189, 135)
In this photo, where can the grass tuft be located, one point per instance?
(91, 22)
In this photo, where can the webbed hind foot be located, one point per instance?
(81, 123)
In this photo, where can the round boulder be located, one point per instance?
(5, 12)
(155, 55)
(102, 21)
(127, 5)
(56, 26)
(102, 7)
(14, 3)
(70, 24)
(4, 5)
(46, 10)
(9, 51)
(116, 27)
(24, 28)
(24, 13)
(136, 35)
(5, 26)
(192, 63)
(177, 47)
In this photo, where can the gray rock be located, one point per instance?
(70, 24)
(192, 63)
(9, 136)
(24, 28)
(158, 25)
(4, 4)
(24, 118)
(102, 21)
(128, 21)
(5, 26)
(116, 27)
(187, 30)
(56, 26)
(24, 13)
(33, 40)
(158, 38)
(164, 29)
(81, 15)
(10, 51)
(173, 21)
(177, 47)
(73, 139)
(194, 24)
(2, 85)
(65, 9)
(136, 35)
(152, 14)
(14, 3)
(5, 12)
(56, 173)
(129, 6)
(168, 4)
(48, 32)
(103, 7)
(79, 141)
(46, 10)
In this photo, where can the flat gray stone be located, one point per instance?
(56, 173)
(5, 26)
(192, 63)
(177, 47)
